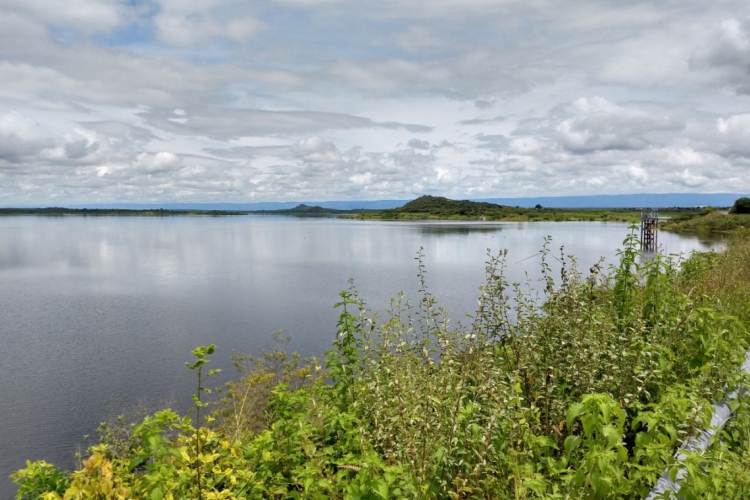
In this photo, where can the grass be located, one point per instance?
(707, 223)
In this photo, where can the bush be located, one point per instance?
(741, 206)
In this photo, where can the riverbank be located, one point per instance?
(423, 208)
(710, 223)
(587, 398)
(94, 212)
(438, 208)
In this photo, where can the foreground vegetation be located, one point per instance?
(582, 390)
(439, 208)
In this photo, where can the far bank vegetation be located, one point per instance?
(439, 208)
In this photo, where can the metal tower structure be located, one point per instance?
(649, 230)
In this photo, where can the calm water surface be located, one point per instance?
(100, 313)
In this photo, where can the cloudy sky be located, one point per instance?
(274, 100)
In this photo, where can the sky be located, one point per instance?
(279, 100)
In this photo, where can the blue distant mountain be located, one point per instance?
(645, 200)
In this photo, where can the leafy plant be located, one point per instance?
(200, 354)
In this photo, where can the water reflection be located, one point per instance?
(458, 229)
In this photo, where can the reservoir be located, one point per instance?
(99, 314)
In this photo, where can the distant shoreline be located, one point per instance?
(98, 212)
(494, 214)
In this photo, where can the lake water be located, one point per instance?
(100, 313)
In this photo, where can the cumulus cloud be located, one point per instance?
(524, 146)
(598, 124)
(732, 135)
(727, 55)
(187, 23)
(316, 150)
(20, 138)
(184, 31)
(157, 163)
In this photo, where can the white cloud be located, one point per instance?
(184, 31)
(86, 15)
(190, 22)
(638, 173)
(231, 100)
(316, 150)
(726, 55)
(597, 124)
(691, 180)
(157, 163)
(524, 146)
(20, 137)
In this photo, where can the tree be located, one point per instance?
(538, 206)
(741, 206)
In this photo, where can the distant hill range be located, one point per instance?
(650, 200)
(645, 200)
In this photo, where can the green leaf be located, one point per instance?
(137, 460)
(734, 405)
(545, 442)
(575, 410)
(571, 443)
(381, 488)
(611, 434)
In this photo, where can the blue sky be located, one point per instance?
(274, 100)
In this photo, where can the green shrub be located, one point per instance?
(741, 206)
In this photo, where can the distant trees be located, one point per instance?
(741, 206)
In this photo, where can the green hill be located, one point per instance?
(437, 205)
